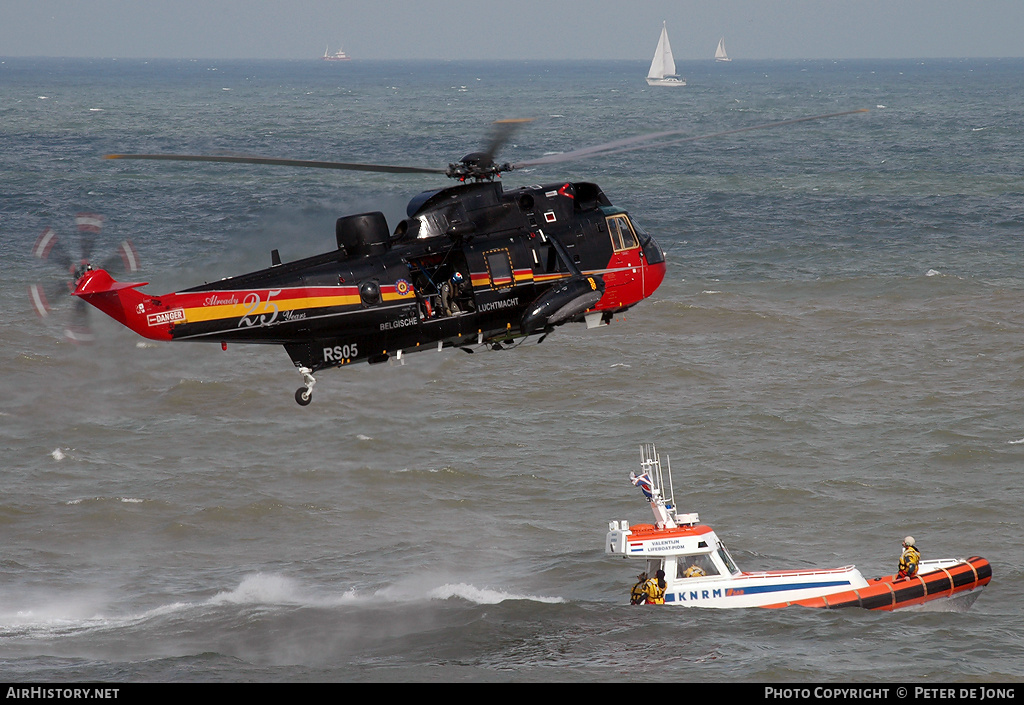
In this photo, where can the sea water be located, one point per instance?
(833, 362)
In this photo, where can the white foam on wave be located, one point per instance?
(439, 589)
(71, 615)
(262, 588)
(57, 454)
(275, 589)
(270, 589)
(123, 500)
(48, 613)
(484, 596)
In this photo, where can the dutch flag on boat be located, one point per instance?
(644, 483)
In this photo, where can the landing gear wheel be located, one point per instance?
(304, 395)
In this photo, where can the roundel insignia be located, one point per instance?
(403, 287)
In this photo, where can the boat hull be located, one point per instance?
(946, 585)
(958, 582)
(666, 82)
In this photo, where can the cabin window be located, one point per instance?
(621, 232)
(499, 267)
(695, 566)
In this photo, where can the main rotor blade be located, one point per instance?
(630, 144)
(503, 131)
(347, 166)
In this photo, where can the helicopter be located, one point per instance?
(472, 265)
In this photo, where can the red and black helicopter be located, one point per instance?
(472, 265)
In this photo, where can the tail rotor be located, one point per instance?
(47, 297)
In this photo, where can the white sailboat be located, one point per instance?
(663, 66)
(720, 54)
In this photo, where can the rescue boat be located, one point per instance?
(700, 572)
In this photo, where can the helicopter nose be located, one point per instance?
(653, 277)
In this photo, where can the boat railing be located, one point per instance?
(796, 573)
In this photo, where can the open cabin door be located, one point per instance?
(443, 286)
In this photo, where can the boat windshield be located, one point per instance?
(695, 566)
(727, 559)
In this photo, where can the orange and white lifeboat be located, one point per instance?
(700, 572)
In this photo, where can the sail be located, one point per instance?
(720, 54)
(663, 64)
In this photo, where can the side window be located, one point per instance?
(499, 267)
(696, 566)
(621, 233)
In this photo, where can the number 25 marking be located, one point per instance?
(252, 302)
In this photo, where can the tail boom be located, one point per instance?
(148, 316)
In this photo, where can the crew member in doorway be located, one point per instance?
(452, 292)
(638, 595)
(656, 593)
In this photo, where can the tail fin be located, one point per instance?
(121, 301)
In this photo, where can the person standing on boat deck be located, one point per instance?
(657, 590)
(638, 595)
(909, 560)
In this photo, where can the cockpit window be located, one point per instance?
(432, 224)
(641, 233)
(621, 233)
(652, 251)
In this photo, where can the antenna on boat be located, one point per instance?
(671, 489)
(650, 461)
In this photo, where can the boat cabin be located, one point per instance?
(675, 543)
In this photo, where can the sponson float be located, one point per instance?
(700, 572)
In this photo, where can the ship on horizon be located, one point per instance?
(339, 55)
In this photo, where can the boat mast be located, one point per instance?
(650, 463)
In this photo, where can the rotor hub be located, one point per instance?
(478, 166)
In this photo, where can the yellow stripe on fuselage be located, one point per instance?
(199, 314)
